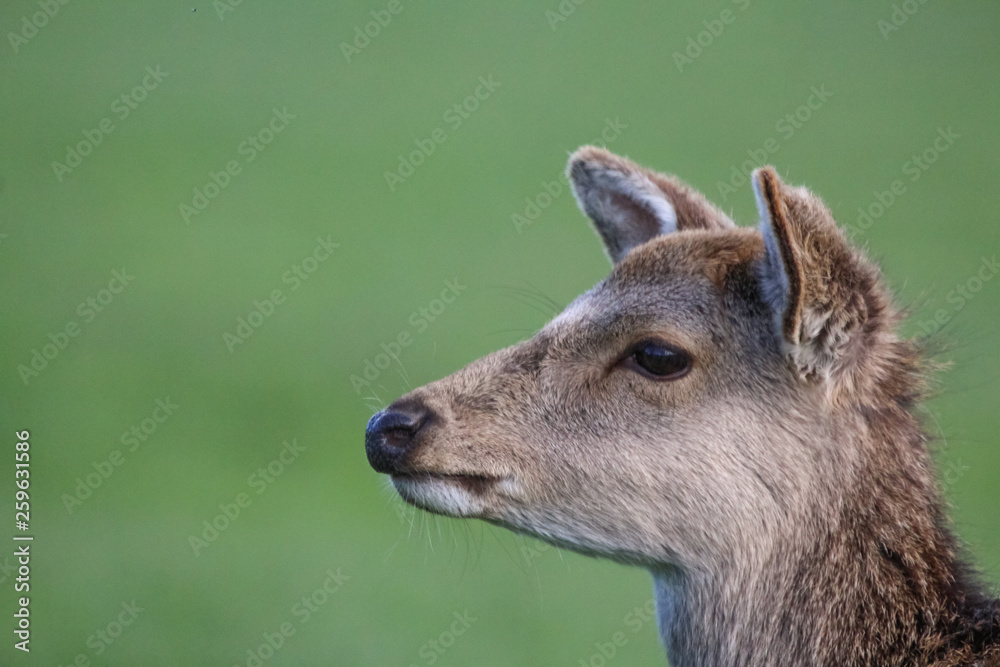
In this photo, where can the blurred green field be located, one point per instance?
(172, 332)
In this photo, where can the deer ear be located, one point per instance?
(630, 205)
(821, 290)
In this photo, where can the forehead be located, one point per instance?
(677, 278)
(693, 254)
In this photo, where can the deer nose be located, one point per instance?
(392, 433)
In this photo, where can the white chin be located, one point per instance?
(439, 495)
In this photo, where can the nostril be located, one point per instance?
(390, 434)
(399, 437)
(395, 425)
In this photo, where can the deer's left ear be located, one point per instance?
(822, 291)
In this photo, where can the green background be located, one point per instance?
(323, 176)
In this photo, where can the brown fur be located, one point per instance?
(781, 492)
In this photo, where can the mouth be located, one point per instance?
(457, 495)
(474, 483)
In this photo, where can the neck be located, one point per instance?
(876, 582)
(735, 619)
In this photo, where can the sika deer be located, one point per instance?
(731, 409)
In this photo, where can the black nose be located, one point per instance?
(392, 433)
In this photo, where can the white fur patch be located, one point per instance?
(658, 205)
(579, 310)
(441, 495)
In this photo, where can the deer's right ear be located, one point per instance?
(630, 205)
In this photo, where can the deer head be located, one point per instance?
(703, 411)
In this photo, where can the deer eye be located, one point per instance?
(660, 361)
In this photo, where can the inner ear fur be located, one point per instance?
(824, 293)
(629, 204)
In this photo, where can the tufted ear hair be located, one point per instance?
(825, 295)
(630, 205)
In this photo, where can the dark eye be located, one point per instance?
(660, 361)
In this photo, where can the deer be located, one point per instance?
(732, 409)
